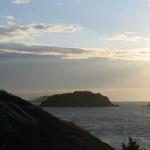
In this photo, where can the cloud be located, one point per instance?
(20, 1)
(136, 54)
(128, 37)
(18, 31)
(7, 17)
(9, 20)
(39, 50)
(9, 30)
(17, 50)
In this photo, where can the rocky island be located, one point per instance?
(24, 126)
(77, 99)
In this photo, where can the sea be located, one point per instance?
(113, 125)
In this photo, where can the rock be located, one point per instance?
(24, 126)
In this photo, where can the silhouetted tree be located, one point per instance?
(132, 145)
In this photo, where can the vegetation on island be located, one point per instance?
(132, 145)
(77, 99)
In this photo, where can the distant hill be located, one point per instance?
(24, 126)
(77, 99)
(38, 100)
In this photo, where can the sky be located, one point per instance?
(56, 46)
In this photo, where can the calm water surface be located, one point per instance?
(112, 125)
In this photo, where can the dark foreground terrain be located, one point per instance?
(24, 126)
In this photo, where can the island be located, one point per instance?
(77, 99)
(24, 126)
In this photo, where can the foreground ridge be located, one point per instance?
(24, 126)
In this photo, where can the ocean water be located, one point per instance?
(113, 125)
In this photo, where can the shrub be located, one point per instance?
(132, 145)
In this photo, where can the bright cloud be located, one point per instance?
(141, 54)
(136, 54)
(7, 19)
(19, 31)
(20, 1)
(128, 37)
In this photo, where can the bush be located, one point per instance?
(132, 145)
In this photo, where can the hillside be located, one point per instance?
(77, 99)
(38, 100)
(24, 126)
